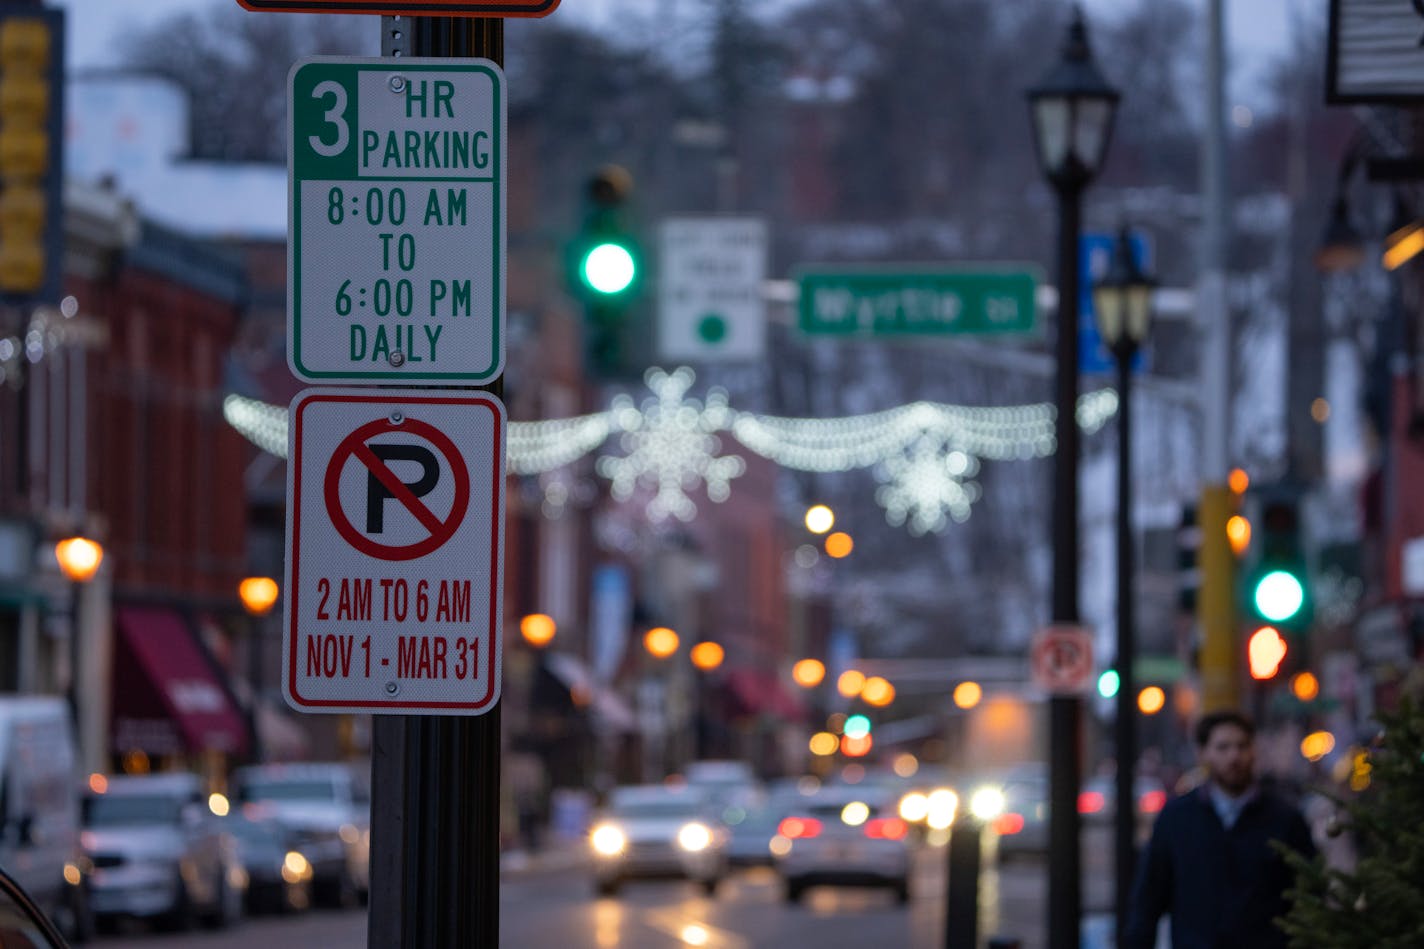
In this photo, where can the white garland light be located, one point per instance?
(670, 445)
(925, 454)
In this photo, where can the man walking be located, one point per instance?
(1210, 864)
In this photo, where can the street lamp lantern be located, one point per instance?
(1073, 108)
(79, 558)
(258, 595)
(1122, 300)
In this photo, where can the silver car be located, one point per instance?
(656, 831)
(844, 835)
(158, 852)
(327, 809)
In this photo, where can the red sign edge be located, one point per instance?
(488, 8)
(294, 464)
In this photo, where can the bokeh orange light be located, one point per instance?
(79, 558)
(856, 747)
(1305, 686)
(258, 595)
(968, 694)
(1151, 700)
(707, 656)
(824, 743)
(839, 545)
(660, 641)
(1238, 480)
(850, 683)
(878, 692)
(1238, 533)
(537, 629)
(808, 673)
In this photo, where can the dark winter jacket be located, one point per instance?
(1222, 887)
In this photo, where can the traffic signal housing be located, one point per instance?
(1277, 588)
(31, 163)
(605, 271)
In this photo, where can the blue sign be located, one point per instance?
(1094, 257)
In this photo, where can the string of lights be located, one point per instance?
(924, 455)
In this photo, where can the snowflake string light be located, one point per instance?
(670, 447)
(924, 453)
(926, 483)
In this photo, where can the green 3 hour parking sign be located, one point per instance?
(396, 220)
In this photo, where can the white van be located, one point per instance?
(39, 807)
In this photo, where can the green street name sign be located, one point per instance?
(894, 302)
(396, 220)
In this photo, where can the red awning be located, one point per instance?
(762, 693)
(167, 696)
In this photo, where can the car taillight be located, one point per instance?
(799, 828)
(1009, 824)
(886, 828)
(1090, 802)
(1152, 801)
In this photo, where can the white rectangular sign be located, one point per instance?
(395, 551)
(396, 220)
(710, 304)
(1375, 51)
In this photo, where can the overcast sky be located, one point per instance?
(1256, 28)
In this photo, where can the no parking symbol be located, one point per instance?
(383, 485)
(394, 551)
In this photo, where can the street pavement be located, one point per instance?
(549, 902)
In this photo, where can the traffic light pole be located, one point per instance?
(435, 779)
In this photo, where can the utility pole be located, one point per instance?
(1215, 611)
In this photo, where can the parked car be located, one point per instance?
(327, 807)
(727, 783)
(39, 810)
(845, 835)
(279, 875)
(159, 852)
(1022, 828)
(1098, 801)
(657, 831)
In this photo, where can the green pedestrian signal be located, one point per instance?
(608, 267)
(1277, 585)
(1279, 595)
(605, 273)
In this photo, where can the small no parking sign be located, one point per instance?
(395, 547)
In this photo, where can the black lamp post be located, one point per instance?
(1073, 108)
(1123, 304)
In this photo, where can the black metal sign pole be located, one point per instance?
(435, 779)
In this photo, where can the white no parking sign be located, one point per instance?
(396, 551)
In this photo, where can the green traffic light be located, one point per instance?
(1279, 595)
(608, 268)
(1108, 683)
(857, 726)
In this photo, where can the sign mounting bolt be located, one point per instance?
(397, 83)
(397, 358)
(397, 417)
(392, 688)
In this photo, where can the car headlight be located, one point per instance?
(987, 803)
(914, 807)
(694, 837)
(940, 808)
(608, 840)
(295, 867)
